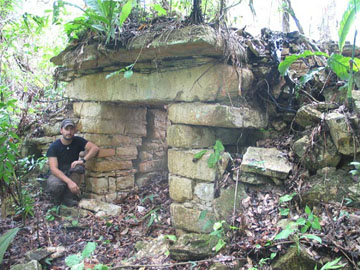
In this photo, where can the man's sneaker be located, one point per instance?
(70, 202)
(78, 169)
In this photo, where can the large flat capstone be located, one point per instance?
(209, 82)
(266, 161)
(217, 115)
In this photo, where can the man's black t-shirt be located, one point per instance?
(66, 154)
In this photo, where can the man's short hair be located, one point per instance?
(67, 122)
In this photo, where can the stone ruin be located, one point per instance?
(181, 98)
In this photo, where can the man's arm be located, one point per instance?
(54, 167)
(91, 151)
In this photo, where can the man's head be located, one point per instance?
(68, 129)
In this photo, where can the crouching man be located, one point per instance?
(67, 157)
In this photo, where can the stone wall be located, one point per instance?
(181, 95)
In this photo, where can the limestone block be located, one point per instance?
(340, 133)
(32, 265)
(184, 136)
(52, 129)
(109, 165)
(181, 162)
(104, 140)
(146, 178)
(322, 154)
(356, 96)
(152, 165)
(125, 182)
(108, 198)
(180, 188)
(204, 191)
(200, 83)
(254, 179)
(127, 153)
(144, 155)
(224, 204)
(96, 206)
(266, 161)
(106, 111)
(153, 145)
(217, 115)
(307, 116)
(190, 219)
(106, 152)
(101, 126)
(97, 185)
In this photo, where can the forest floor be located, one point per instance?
(146, 215)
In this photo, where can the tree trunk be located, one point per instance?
(196, 16)
(291, 11)
(285, 18)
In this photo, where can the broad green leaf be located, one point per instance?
(220, 244)
(333, 264)
(72, 260)
(310, 75)
(212, 160)
(289, 60)
(307, 210)
(5, 241)
(125, 12)
(284, 211)
(273, 255)
(128, 74)
(287, 197)
(311, 236)
(340, 65)
(347, 21)
(301, 221)
(219, 147)
(101, 267)
(160, 10)
(89, 248)
(285, 233)
(199, 155)
(203, 214)
(316, 224)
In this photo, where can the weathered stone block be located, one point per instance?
(184, 136)
(190, 219)
(266, 161)
(319, 155)
(204, 191)
(97, 185)
(109, 165)
(112, 140)
(111, 112)
(217, 115)
(180, 188)
(181, 162)
(127, 153)
(32, 265)
(97, 206)
(340, 133)
(254, 179)
(106, 152)
(101, 126)
(125, 183)
(152, 165)
(204, 83)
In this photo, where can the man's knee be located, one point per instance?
(55, 185)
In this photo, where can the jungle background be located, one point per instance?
(32, 32)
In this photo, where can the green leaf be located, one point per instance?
(5, 241)
(125, 12)
(199, 155)
(72, 260)
(285, 233)
(219, 147)
(340, 65)
(79, 266)
(287, 197)
(311, 236)
(347, 21)
(89, 248)
(128, 74)
(101, 267)
(310, 75)
(220, 244)
(160, 10)
(301, 221)
(289, 60)
(203, 214)
(333, 264)
(284, 211)
(171, 237)
(307, 210)
(273, 255)
(316, 224)
(212, 160)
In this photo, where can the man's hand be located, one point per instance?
(74, 188)
(77, 162)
